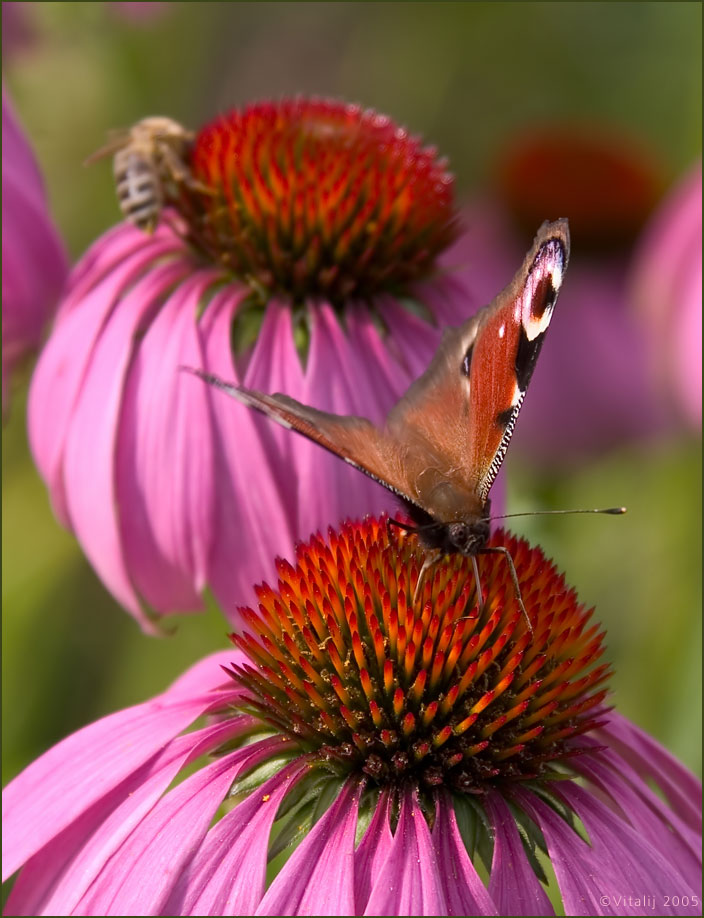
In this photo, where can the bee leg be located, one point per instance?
(180, 172)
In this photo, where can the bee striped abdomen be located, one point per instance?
(138, 189)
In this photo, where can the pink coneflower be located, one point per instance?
(389, 759)
(301, 258)
(593, 388)
(667, 282)
(33, 258)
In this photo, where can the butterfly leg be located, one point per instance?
(514, 577)
(431, 558)
(477, 581)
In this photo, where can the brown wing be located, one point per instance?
(354, 439)
(464, 407)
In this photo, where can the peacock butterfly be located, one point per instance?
(443, 443)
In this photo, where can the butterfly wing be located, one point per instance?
(465, 406)
(354, 439)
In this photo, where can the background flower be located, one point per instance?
(33, 259)
(469, 76)
(459, 741)
(667, 282)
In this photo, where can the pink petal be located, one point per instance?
(275, 366)
(140, 876)
(621, 853)
(318, 878)
(55, 879)
(680, 786)
(513, 886)
(228, 874)
(461, 887)
(646, 812)
(207, 674)
(372, 852)
(67, 780)
(252, 525)
(409, 880)
(91, 444)
(122, 243)
(63, 365)
(165, 462)
(33, 259)
(582, 883)
(411, 340)
(337, 380)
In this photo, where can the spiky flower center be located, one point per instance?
(315, 197)
(440, 692)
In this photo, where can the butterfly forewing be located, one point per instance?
(508, 343)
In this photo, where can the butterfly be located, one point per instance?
(443, 442)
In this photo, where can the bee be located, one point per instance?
(147, 158)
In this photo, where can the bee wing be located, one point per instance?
(116, 141)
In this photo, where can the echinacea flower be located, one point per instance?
(33, 259)
(667, 291)
(389, 758)
(302, 259)
(593, 388)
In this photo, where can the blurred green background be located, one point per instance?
(464, 75)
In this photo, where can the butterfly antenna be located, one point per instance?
(500, 549)
(614, 511)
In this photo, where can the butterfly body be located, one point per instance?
(442, 444)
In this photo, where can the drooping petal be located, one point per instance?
(67, 780)
(34, 263)
(408, 882)
(56, 878)
(622, 854)
(91, 444)
(165, 486)
(372, 852)
(252, 524)
(337, 381)
(227, 875)
(659, 825)
(318, 878)
(513, 886)
(275, 366)
(140, 876)
(650, 759)
(461, 886)
(411, 340)
(63, 365)
(582, 883)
